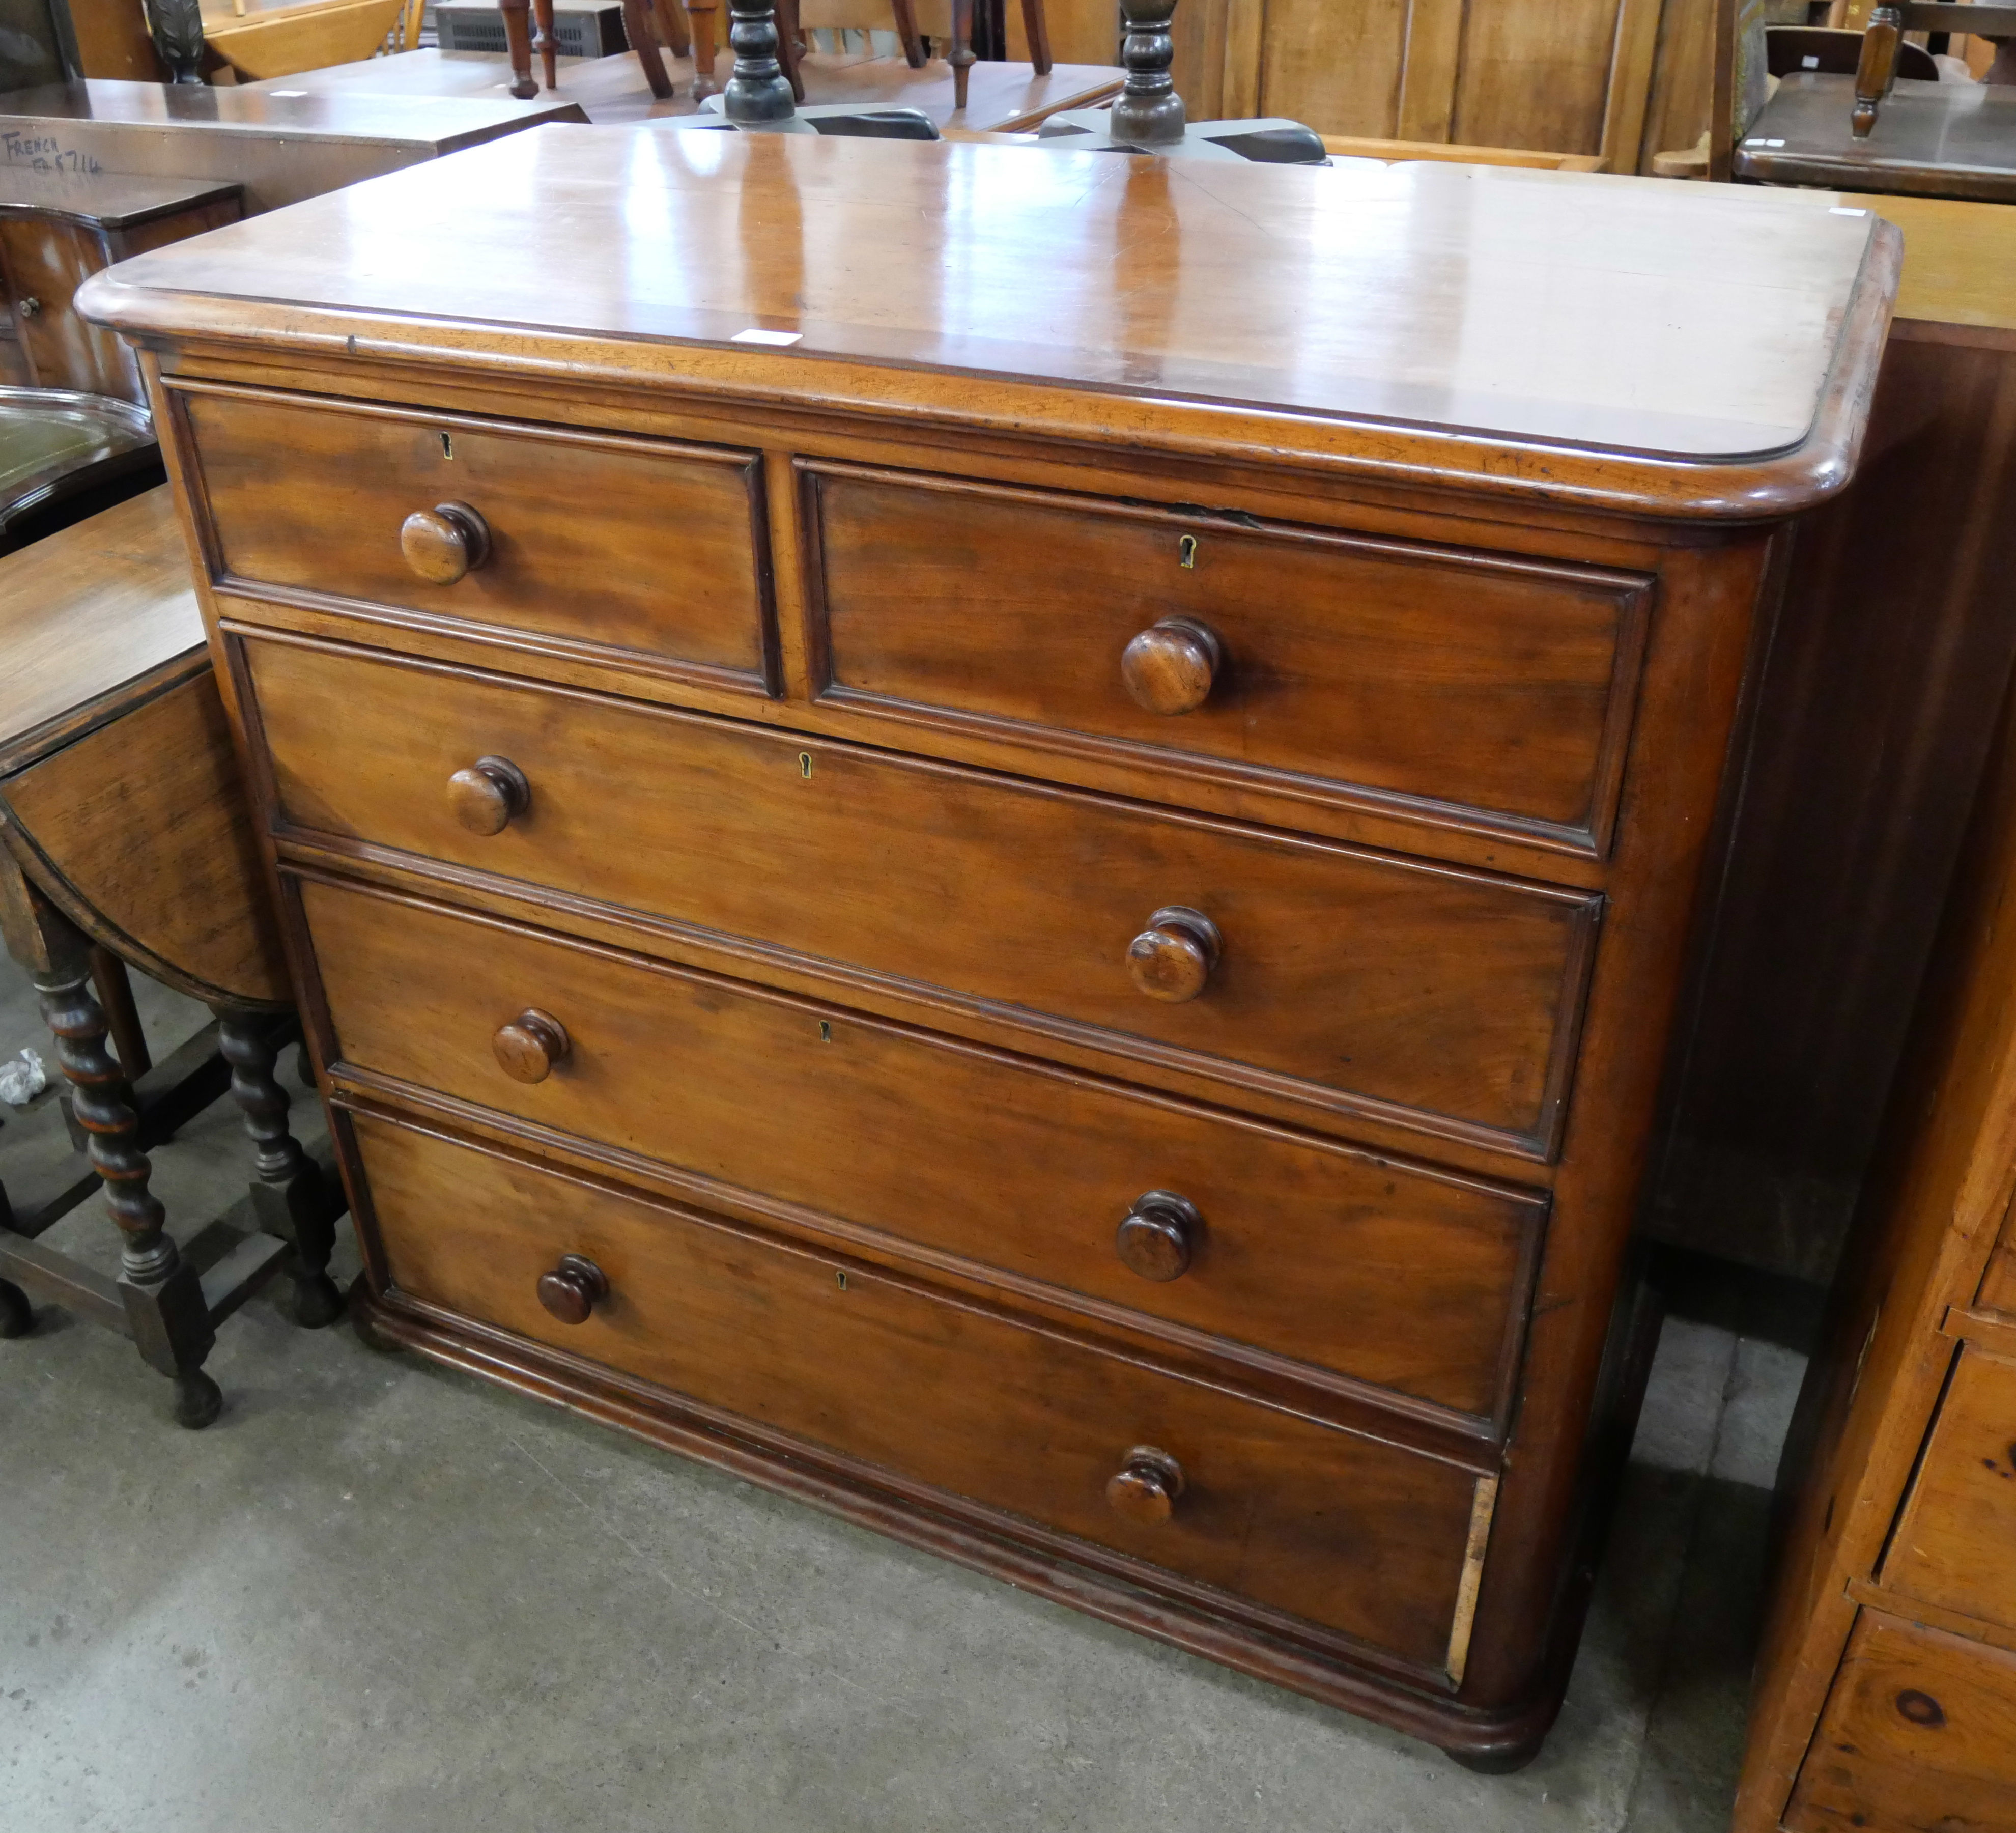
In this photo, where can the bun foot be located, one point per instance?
(198, 1400)
(1497, 1763)
(318, 1303)
(363, 1319)
(17, 1317)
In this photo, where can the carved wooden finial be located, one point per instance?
(1149, 113)
(758, 90)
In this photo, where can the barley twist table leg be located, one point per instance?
(290, 1198)
(162, 1294)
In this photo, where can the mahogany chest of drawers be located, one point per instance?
(1007, 839)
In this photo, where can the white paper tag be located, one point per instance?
(776, 337)
(1842, 210)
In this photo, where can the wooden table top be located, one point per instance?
(1004, 97)
(1099, 295)
(85, 611)
(438, 123)
(111, 201)
(1930, 140)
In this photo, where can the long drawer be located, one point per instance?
(1352, 1534)
(1399, 1276)
(1286, 657)
(1956, 1541)
(1340, 975)
(1918, 1736)
(647, 551)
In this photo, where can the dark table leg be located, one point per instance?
(291, 1199)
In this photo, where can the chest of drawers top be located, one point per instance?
(1619, 343)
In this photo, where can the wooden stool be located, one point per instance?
(126, 840)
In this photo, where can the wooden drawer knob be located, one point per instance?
(574, 1288)
(444, 543)
(1173, 957)
(489, 795)
(528, 1048)
(1170, 667)
(1145, 1488)
(1157, 1236)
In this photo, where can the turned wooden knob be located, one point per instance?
(528, 1048)
(574, 1288)
(1145, 1488)
(488, 794)
(1170, 667)
(444, 543)
(1157, 1236)
(1172, 958)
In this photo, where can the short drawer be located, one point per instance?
(1956, 1544)
(1281, 658)
(1353, 1534)
(638, 552)
(1397, 1275)
(1918, 1736)
(1349, 977)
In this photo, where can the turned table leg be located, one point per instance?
(162, 1293)
(290, 1198)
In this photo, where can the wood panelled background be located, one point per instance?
(1627, 78)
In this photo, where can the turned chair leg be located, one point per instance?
(962, 57)
(542, 11)
(290, 1198)
(701, 13)
(1876, 70)
(162, 1293)
(518, 37)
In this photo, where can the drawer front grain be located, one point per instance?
(634, 551)
(1396, 1275)
(1343, 977)
(1501, 687)
(1354, 1534)
(1956, 1544)
(1918, 1736)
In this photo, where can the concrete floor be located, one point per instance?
(378, 1595)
